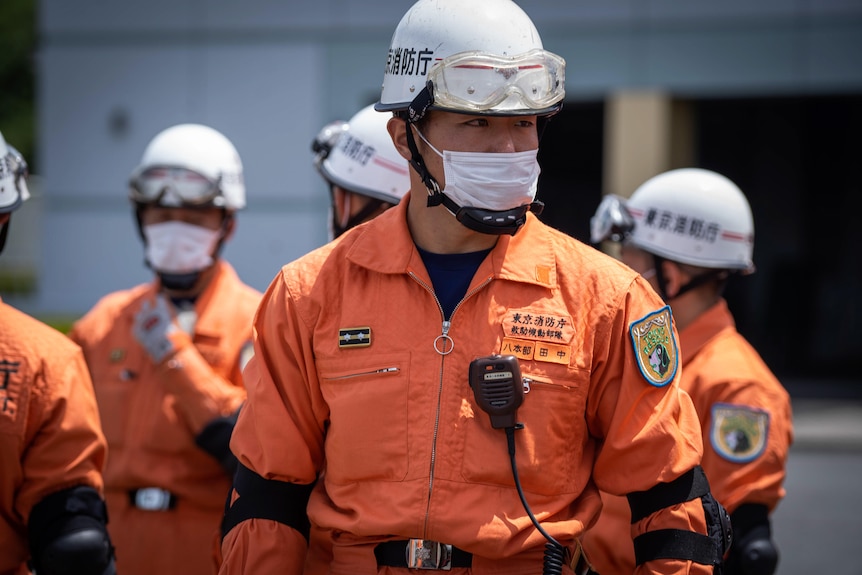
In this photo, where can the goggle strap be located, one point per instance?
(420, 104)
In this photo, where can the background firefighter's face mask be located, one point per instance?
(179, 248)
(480, 82)
(491, 181)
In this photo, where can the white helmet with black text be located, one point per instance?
(690, 215)
(360, 157)
(189, 165)
(13, 184)
(476, 57)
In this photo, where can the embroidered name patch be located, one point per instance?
(538, 326)
(354, 337)
(536, 350)
(738, 432)
(655, 347)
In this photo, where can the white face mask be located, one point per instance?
(179, 248)
(487, 180)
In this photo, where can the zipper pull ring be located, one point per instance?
(443, 344)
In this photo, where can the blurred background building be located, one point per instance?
(768, 93)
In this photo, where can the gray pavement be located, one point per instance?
(827, 424)
(827, 415)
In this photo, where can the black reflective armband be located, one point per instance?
(688, 486)
(214, 438)
(261, 498)
(706, 549)
(675, 544)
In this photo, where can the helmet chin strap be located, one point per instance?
(179, 282)
(493, 222)
(699, 280)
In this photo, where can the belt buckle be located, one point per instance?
(152, 499)
(425, 554)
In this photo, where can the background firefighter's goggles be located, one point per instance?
(192, 188)
(476, 81)
(612, 220)
(14, 168)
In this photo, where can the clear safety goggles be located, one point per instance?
(612, 220)
(174, 186)
(479, 82)
(13, 168)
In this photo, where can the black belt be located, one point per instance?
(421, 554)
(152, 499)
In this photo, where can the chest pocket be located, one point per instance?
(549, 450)
(367, 438)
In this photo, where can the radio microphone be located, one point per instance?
(498, 388)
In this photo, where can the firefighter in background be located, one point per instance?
(365, 173)
(366, 177)
(52, 450)
(361, 417)
(166, 357)
(688, 231)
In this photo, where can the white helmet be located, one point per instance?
(482, 57)
(189, 165)
(692, 216)
(13, 178)
(361, 158)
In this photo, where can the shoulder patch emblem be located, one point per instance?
(738, 432)
(655, 347)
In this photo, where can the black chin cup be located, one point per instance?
(179, 282)
(494, 222)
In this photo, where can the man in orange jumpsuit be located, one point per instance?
(365, 173)
(377, 355)
(688, 231)
(52, 451)
(166, 358)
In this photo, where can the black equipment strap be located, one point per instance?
(271, 499)
(675, 544)
(688, 486)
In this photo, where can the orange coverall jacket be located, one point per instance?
(734, 391)
(50, 435)
(152, 414)
(407, 452)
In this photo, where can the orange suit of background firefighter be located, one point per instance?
(52, 450)
(744, 410)
(168, 402)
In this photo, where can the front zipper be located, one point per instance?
(444, 336)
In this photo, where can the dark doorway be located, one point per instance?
(571, 158)
(799, 161)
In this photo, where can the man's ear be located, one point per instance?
(397, 128)
(674, 278)
(229, 227)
